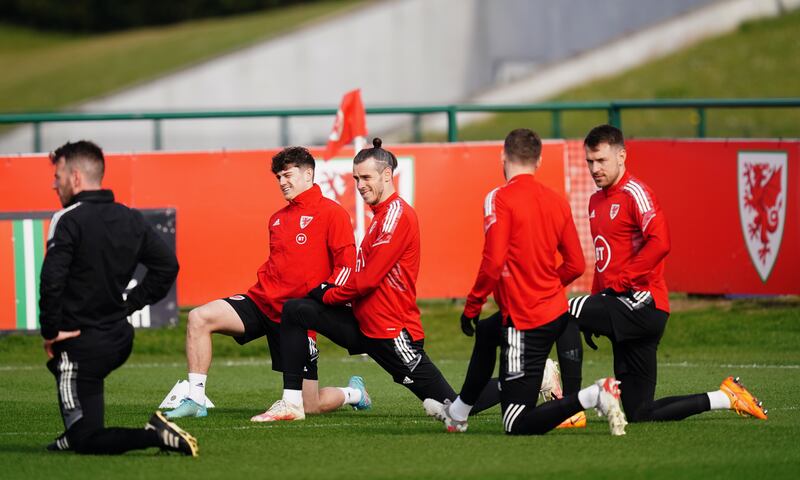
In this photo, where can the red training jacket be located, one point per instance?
(631, 240)
(383, 290)
(310, 241)
(525, 224)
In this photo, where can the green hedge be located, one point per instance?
(107, 15)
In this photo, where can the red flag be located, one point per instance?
(351, 122)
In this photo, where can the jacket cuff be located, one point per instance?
(49, 333)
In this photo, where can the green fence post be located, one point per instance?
(284, 130)
(615, 116)
(37, 136)
(416, 127)
(701, 122)
(452, 126)
(555, 119)
(157, 140)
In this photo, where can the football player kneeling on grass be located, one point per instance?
(93, 247)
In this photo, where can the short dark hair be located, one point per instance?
(604, 134)
(523, 145)
(83, 152)
(297, 156)
(383, 158)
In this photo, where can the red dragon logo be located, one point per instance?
(762, 189)
(762, 205)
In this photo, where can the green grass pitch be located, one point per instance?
(705, 342)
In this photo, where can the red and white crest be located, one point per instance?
(304, 221)
(614, 210)
(762, 179)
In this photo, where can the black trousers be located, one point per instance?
(569, 350)
(402, 357)
(79, 382)
(635, 329)
(523, 354)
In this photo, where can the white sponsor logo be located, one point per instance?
(602, 253)
(407, 381)
(591, 215)
(762, 182)
(277, 222)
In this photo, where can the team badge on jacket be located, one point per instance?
(762, 178)
(614, 210)
(304, 221)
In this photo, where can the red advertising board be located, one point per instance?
(733, 212)
(223, 201)
(732, 208)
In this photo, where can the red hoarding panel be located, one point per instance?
(700, 185)
(223, 201)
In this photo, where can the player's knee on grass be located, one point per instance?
(517, 421)
(78, 440)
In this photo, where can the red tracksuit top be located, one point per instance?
(525, 224)
(383, 290)
(310, 241)
(631, 240)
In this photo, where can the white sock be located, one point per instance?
(589, 396)
(295, 397)
(197, 387)
(719, 400)
(459, 410)
(351, 395)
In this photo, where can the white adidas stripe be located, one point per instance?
(511, 411)
(488, 202)
(643, 193)
(56, 217)
(514, 351)
(344, 274)
(392, 216)
(635, 195)
(403, 350)
(639, 195)
(513, 417)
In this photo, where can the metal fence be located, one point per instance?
(613, 108)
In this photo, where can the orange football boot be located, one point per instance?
(742, 401)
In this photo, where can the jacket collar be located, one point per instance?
(376, 209)
(309, 197)
(94, 196)
(622, 182)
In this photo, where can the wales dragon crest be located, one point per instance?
(762, 179)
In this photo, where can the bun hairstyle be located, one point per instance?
(383, 158)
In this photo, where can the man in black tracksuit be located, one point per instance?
(93, 247)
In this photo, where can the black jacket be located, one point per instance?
(93, 247)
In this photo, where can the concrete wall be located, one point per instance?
(399, 52)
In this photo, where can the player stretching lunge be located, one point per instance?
(525, 224)
(629, 302)
(311, 241)
(384, 321)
